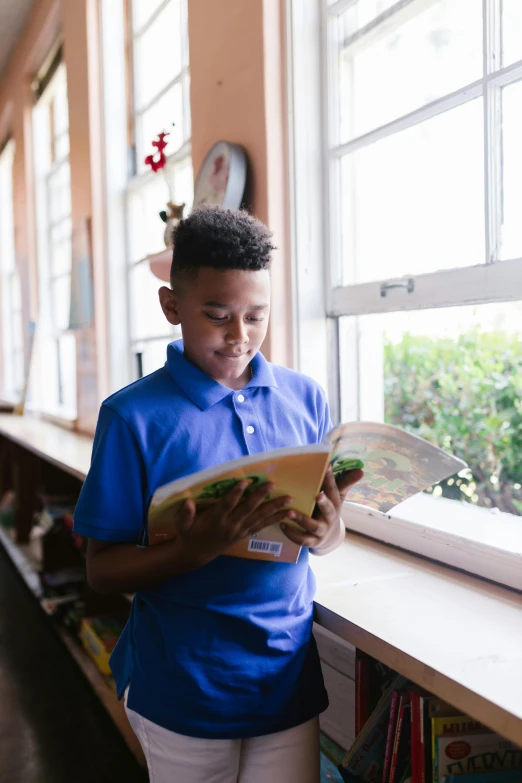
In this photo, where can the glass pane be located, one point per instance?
(453, 377)
(59, 192)
(511, 31)
(361, 13)
(158, 54)
(146, 316)
(60, 108)
(15, 291)
(61, 146)
(512, 171)
(153, 353)
(61, 302)
(61, 248)
(142, 10)
(145, 226)
(67, 359)
(413, 202)
(181, 180)
(168, 110)
(410, 64)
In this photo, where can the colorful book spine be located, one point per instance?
(392, 724)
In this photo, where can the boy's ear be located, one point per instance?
(169, 305)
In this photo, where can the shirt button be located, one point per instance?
(240, 398)
(250, 429)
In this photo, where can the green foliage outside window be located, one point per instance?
(464, 394)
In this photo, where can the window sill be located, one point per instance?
(473, 539)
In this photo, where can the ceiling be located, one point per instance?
(13, 16)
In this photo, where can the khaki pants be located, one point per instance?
(290, 756)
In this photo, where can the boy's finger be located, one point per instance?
(302, 539)
(330, 487)
(255, 499)
(348, 479)
(187, 515)
(258, 525)
(313, 527)
(229, 502)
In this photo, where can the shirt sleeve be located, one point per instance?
(324, 418)
(113, 501)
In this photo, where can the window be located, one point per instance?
(54, 389)
(418, 200)
(160, 103)
(10, 292)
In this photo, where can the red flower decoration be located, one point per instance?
(157, 160)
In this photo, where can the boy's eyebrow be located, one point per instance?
(228, 307)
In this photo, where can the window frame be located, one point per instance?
(322, 299)
(11, 352)
(47, 330)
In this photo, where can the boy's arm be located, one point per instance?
(122, 567)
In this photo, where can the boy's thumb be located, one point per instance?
(187, 514)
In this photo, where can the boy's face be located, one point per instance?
(224, 319)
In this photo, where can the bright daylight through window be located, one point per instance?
(424, 195)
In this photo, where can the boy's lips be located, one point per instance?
(231, 355)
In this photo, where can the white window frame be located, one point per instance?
(419, 525)
(121, 179)
(11, 317)
(50, 337)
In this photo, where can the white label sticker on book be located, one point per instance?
(268, 547)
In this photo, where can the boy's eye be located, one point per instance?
(256, 319)
(217, 319)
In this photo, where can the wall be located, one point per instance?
(75, 22)
(237, 94)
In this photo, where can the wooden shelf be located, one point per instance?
(455, 635)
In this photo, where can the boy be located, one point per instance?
(217, 662)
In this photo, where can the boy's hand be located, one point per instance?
(210, 533)
(324, 529)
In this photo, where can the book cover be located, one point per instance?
(372, 678)
(401, 746)
(473, 753)
(397, 465)
(452, 724)
(365, 759)
(500, 776)
(392, 726)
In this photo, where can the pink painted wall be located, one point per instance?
(237, 94)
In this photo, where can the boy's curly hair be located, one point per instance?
(222, 239)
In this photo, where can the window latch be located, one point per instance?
(407, 284)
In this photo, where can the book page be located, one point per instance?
(397, 464)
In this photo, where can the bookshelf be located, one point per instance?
(458, 636)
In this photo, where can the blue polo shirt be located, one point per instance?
(225, 651)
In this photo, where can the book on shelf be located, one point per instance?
(412, 736)
(365, 759)
(397, 465)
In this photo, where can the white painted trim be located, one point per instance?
(307, 184)
(454, 544)
(499, 282)
(116, 170)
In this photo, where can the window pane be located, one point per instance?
(168, 110)
(153, 353)
(361, 13)
(61, 248)
(67, 359)
(413, 202)
(59, 191)
(181, 179)
(143, 10)
(146, 228)
(453, 377)
(409, 65)
(61, 302)
(147, 319)
(511, 31)
(512, 170)
(158, 54)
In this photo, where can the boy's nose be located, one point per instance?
(237, 334)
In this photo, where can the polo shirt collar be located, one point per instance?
(200, 387)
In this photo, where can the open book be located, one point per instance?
(396, 466)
